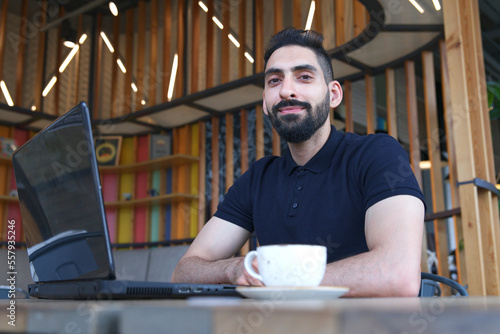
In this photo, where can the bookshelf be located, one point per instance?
(146, 166)
(150, 165)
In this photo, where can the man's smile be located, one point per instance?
(291, 110)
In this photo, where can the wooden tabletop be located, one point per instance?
(232, 315)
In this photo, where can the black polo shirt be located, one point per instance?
(323, 202)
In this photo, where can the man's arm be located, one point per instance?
(209, 258)
(391, 267)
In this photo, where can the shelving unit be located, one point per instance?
(8, 199)
(146, 166)
(149, 201)
(167, 162)
(5, 161)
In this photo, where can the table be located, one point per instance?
(231, 315)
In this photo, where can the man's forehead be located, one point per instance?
(290, 56)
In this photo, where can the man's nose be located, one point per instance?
(288, 90)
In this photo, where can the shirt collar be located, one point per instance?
(322, 160)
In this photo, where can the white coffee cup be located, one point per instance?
(288, 265)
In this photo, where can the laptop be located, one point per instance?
(65, 223)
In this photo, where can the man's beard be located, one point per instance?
(293, 129)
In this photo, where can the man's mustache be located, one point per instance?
(291, 103)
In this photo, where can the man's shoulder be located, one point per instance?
(357, 143)
(267, 162)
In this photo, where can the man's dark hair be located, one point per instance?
(307, 38)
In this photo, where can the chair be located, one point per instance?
(430, 287)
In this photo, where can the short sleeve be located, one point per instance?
(237, 204)
(385, 171)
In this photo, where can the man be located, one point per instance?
(354, 194)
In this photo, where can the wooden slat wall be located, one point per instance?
(242, 39)
(42, 35)
(153, 55)
(114, 67)
(59, 59)
(297, 17)
(370, 107)
(3, 33)
(414, 139)
(317, 21)
(195, 49)
(225, 64)
(360, 17)
(179, 80)
(344, 27)
(452, 159)
(141, 54)
(479, 208)
(167, 28)
(434, 151)
(412, 111)
(259, 36)
(481, 127)
(390, 87)
(128, 61)
(20, 56)
(209, 79)
(78, 63)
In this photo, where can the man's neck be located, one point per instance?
(303, 152)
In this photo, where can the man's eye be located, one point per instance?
(305, 77)
(273, 81)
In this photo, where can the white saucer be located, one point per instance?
(293, 293)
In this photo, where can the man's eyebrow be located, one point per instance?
(274, 70)
(307, 67)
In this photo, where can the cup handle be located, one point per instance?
(248, 265)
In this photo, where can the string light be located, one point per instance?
(113, 9)
(249, 57)
(217, 22)
(108, 43)
(202, 5)
(49, 86)
(6, 93)
(69, 58)
(171, 85)
(233, 39)
(310, 17)
(437, 5)
(122, 67)
(82, 38)
(417, 6)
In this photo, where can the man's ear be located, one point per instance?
(264, 107)
(336, 93)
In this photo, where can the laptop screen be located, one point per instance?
(61, 202)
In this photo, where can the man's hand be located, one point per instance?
(239, 276)
(210, 257)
